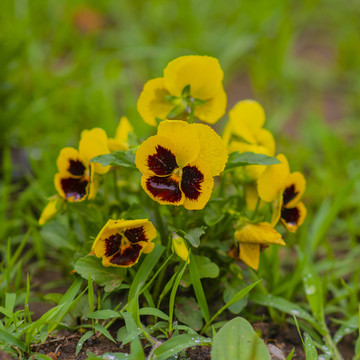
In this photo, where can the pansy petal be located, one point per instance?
(51, 209)
(70, 163)
(272, 181)
(126, 257)
(262, 233)
(180, 248)
(247, 113)
(164, 190)
(93, 143)
(292, 218)
(94, 182)
(202, 73)
(70, 188)
(184, 139)
(156, 156)
(266, 139)
(251, 196)
(152, 101)
(250, 254)
(212, 149)
(276, 210)
(294, 189)
(196, 184)
(213, 109)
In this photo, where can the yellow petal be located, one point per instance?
(212, 148)
(213, 109)
(250, 255)
(271, 183)
(184, 139)
(180, 248)
(152, 103)
(276, 210)
(94, 183)
(265, 139)
(197, 193)
(292, 218)
(251, 196)
(294, 189)
(120, 142)
(262, 233)
(248, 113)
(72, 189)
(70, 163)
(50, 210)
(93, 143)
(202, 73)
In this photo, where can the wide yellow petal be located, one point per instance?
(266, 139)
(249, 113)
(276, 210)
(202, 73)
(152, 101)
(120, 142)
(51, 209)
(294, 189)
(271, 183)
(184, 138)
(250, 255)
(262, 233)
(94, 182)
(70, 188)
(212, 148)
(251, 196)
(197, 189)
(69, 160)
(93, 143)
(213, 109)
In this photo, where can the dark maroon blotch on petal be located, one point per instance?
(74, 188)
(191, 182)
(128, 256)
(290, 216)
(163, 162)
(76, 168)
(135, 235)
(289, 194)
(164, 188)
(112, 244)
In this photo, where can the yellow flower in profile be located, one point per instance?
(121, 242)
(284, 189)
(250, 239)
(180, 248)
(179, 163)
(120, 142)
(190, 83)
(245, 132)
(75, 180)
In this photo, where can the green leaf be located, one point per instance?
(238, 340)
(186, 91)
(104, 331)
(104, 314)
(153, 312)
(136, 348)
(310, 349)
(118, 158)
(81, 341)
(206, 269)
(249, 158)
(178, 343)
(8, 338)
(188, 312)
(110, 277)
(291, 354)
(231, 289)
(198, 289)
(194, 235)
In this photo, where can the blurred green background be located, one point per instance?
(70, 65)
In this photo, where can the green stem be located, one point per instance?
(116, 190)
(160, 224)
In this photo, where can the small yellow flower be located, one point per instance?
(120, 142)
(180, 248)
(284, 189)
(179, 163)
(121, 242)
(189, 82)
(245, 132)
(250, 239)
(75, 180)
(51, 209)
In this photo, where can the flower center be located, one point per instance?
(176, 174)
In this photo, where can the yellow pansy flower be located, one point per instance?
(250, 239)
(51, 209)
(284, 189)
(120, 142)
(245, 132)
(179, 163)
(75, 180)
(121, 242)
(189, 83)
